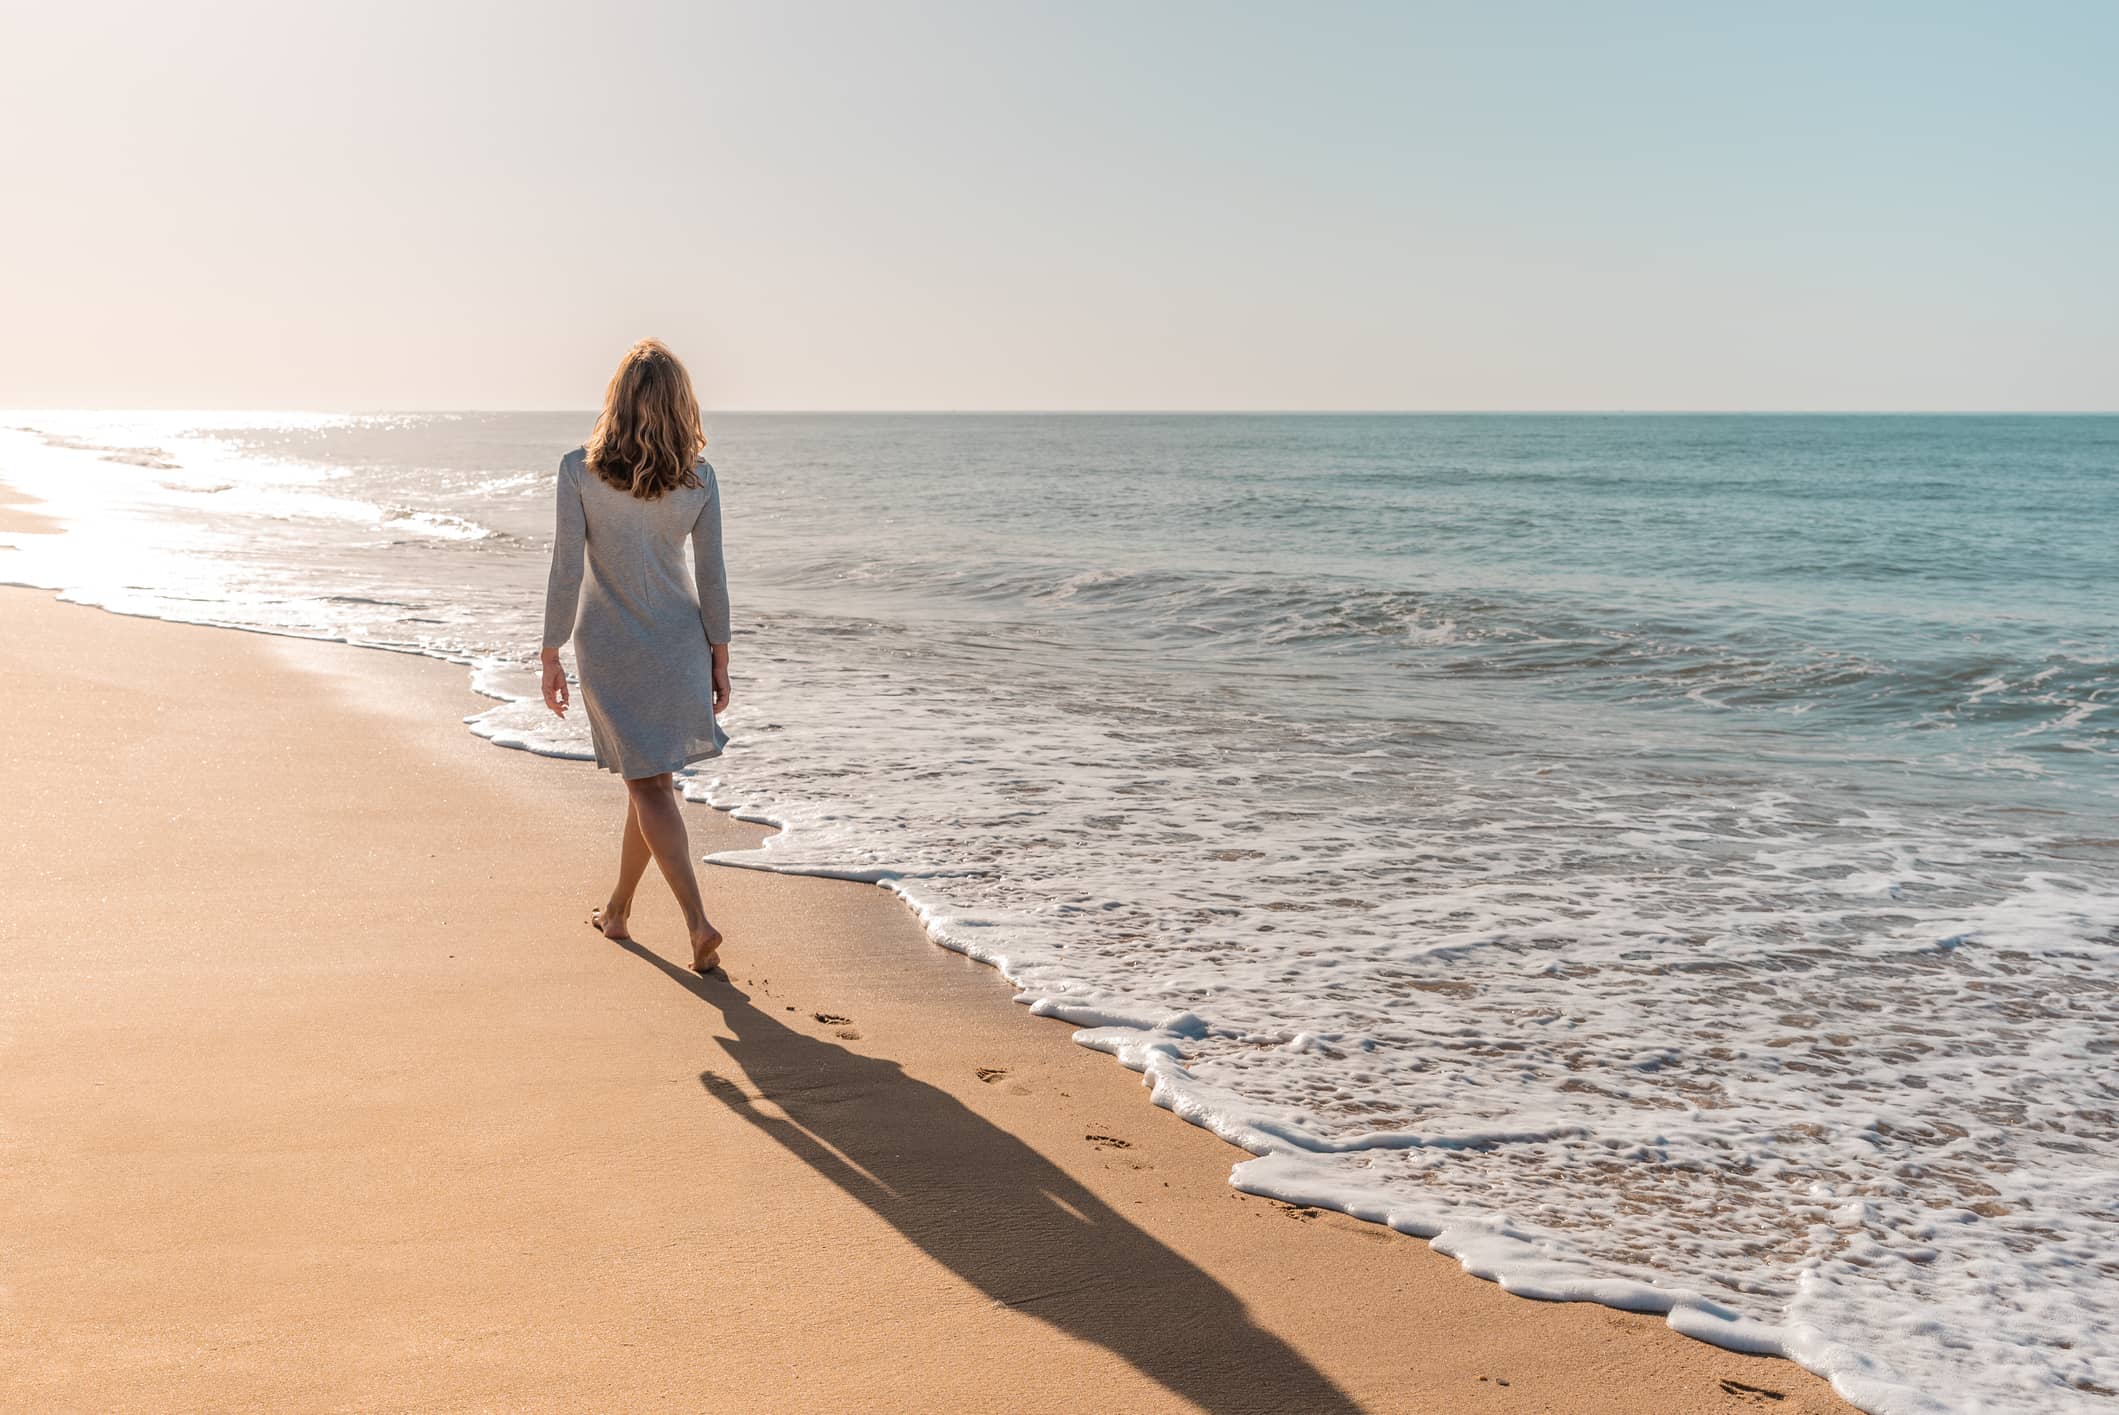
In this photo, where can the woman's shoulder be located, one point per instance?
(574, 461)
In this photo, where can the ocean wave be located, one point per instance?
(151, 458)
(1728, 659)
(439, 524)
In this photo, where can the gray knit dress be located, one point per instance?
(640, 647)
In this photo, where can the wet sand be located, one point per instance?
(16, 515)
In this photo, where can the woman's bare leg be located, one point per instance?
(661, 824)
(633, 855)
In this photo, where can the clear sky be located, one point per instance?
(1068, 205)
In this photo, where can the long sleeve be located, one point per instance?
(708, 565)
(562, 595)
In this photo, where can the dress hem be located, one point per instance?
(624, 775)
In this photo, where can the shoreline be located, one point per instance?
(915, 1131)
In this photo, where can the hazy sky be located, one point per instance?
(1066, 205)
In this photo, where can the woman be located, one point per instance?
(651, 655)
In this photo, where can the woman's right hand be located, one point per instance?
(555, 684)
(721, 688)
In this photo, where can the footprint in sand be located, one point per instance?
(1108, 1142)
(831, 1019)
(1753, 1395)
(990, 1074)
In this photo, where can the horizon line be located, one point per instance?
(378, 411)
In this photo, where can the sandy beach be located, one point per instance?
(17, 513)
(316, 1092)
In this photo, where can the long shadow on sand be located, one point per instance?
(1000, 1215)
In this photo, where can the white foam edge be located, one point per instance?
(1287, 1161)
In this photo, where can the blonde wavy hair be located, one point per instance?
(648, 439)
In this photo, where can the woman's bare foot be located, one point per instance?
(706, 949)
(610, 924)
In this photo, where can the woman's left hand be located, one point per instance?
(555, 685)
